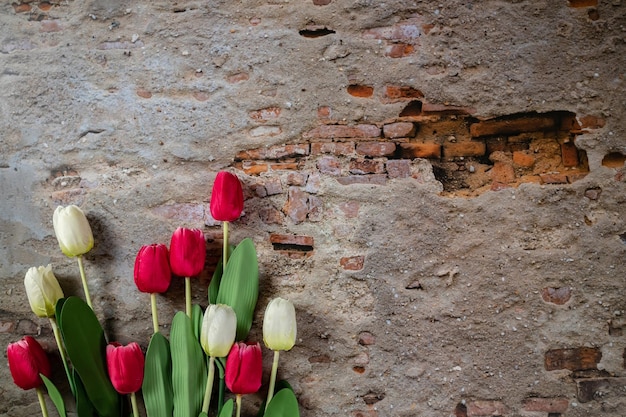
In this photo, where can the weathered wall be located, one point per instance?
(438, 186)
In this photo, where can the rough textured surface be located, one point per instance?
(470, 283)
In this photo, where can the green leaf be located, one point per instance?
(227, 410)
(280, 385)
(196, 318)
(240, 285)
(214, 285)
(284, 404)
(84, 407)
(157, 381)
(189, 372)
(85, 344)
(55, 395)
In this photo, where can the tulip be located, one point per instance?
(125, 365)
(217, 335)
(279, 333)
(75, 238)
(72, 230)
(244, 370)
(187, 254)
(152, 274)
(226, 203)
(27, 360)
(43, 290)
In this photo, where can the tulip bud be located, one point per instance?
(125, 365)
(279, 325)
(72, 230)
(244, 368)
(27, 360)
(226, 198)
(219, 327)
(187, 252)
(43, 290)
(152, 269)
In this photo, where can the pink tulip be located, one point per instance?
(226, 197)
(152, 269)
(125, 365)
(27, 360)
(187, 252)
(244, 368)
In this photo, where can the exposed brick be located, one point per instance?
(259, 190)
(274, 152)
(324, 112)
(557, 296)
(484, 408)
(497, 145)
(185, 212)
(575, 359)
(430, 108)
(376, 149)
(329, 165)
(313, 183)
(295, 240)
(270, 215)
(546, 405)
(238, 77)
(273, 186)
(512, 126)
(523, 159)
(352, 263)
(367, 166)
(350, 209)
(592, 122)
(398, 168)
(143, 93)
(569, 154)
(343, 131)
(363, 91)
(366, 339)
(420, 150)
(296, 207)
(316, 208)
(44, 6)
(572, 177)
(254, 168)
(399, 130)
(399, 50)
(405, 31)
(21, 8)
(502, 172)
(583, 3)
(466, 149)
(553, 178)
(335, 148)
(396, 92)
(285, 166)
(264, 115)
(525, 137)
(319, 359)
(587, 389)
(377, 179)
(296, 178)
(499, 186)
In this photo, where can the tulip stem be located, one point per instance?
(225, 251)
(188, 295)
(238, 399)
(84, 279)
(270, 392)
(155, 318)
(57, 337)
(42, 402)
(209, 386)
(133, 401)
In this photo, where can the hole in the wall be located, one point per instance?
(583, 3)
(316, 32)
(460, 410)
(291, 247)
(414, 108)
(614, 160)
(360, 90)
(623, 237)
(593, 14)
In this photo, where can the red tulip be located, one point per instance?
(27, 360)
(152, 269)
(244, 368)
(187, 252)
(226, 197)
(125, 365)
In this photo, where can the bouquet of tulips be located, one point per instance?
(176, 377)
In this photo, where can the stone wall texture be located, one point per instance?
(439, 187)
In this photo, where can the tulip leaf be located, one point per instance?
(189, 373)
(157, 382)
(55, 395)
(280, 385)
(214, 285)
(240, 285)
(86, 344)
(196, 318)
(283, 404)
(227, 410)
(84, 408)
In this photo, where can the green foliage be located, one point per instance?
(55, 395)
(227, 410)
(283, 404)
(189, 373)
(85, 344)
(239, 287)
(157, 382)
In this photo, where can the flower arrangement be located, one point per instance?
(205, 349)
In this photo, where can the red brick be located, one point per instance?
(376, 149)
(366, 339)
(296, 240)
(350, 209)
(572, 177)
(446, 109)
(553, 178)
(546, 405)
(484, 408)
(274, 152)
(583, 3)
(254, 168)
(324, 112)
(363, 91)
(575, 359)
(405, 31)
(313, 183)
(352, 263)
(343, 131)
(523, 159)
(329, 165)
(273, 186)
(396, 92)
(21, 8)
(398, 168)
(592, 122)
(399, 50)
(296, 207)
(502, 172)
(264, 115)
(238, 77)
(376, 179)
(420, 150)
(399, 130)
(270, 215)
(44, 6)
(296, 178)
(466, 149)
(512, 126)
(336, 148)
(367, 166)
(497, 144)
(569, 154)
(285, 166)
(316, 208)
(587, 389)
(557, 296)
